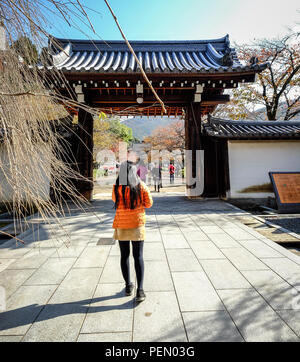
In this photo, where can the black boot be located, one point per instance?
(129, 289)
(140, 296)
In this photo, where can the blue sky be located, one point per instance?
(243, 20)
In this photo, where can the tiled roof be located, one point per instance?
(216, 127)
(203, 56)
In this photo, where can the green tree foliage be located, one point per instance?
(121, 131)
(108, 132)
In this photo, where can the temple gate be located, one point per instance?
(189, 76)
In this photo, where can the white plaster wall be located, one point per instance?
(251, 161)
(6, 190)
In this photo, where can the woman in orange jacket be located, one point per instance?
(131, 196)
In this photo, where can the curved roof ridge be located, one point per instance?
(254, 122)
(215, 55)
(224, 39)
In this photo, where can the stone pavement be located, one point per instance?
(207, 278)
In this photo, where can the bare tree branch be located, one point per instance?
(137, 59)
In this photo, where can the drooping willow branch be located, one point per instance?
(33, 155)
(30, 144)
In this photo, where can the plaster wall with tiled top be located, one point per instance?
(251, 161)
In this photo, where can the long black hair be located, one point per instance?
(128, 178)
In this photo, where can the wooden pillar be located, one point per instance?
(84, 155)
(216, 167)
(193, 143)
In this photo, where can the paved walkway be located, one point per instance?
(207, 278)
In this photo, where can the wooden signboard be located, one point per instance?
(287, 191)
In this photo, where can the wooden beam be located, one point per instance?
(215, 100)
(183, 98)
(126, 105)
(248, 76)
(85, 153)
(149, 111)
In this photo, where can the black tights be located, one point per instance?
(137, 250)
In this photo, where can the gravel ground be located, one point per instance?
(290, 223)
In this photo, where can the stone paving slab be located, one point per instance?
(195, 292)
(216, 326)
(112, 271)
(154, 251)
(206, 250)
(208, 277)
(68, 251)
(12, 280)
(57, 323)
(158, 319)
(249, 230)
(183, 260)
(223, 275)
(49, 243)
(260, 250)
(292, 318)
(10, 339)
(52, 272)
(110, 311)
(153, 236)
(224, 223)
(287, 269)
(285, 253)
(105, 337)
(277, 292)
(5, 263)
(34, 259)
(157, 276)
(78, 285)
(23, 307)
(93, 257)
(238, 233)
(195, 235)
(254, 318)
(212, 229)
(12, 250)
(174, 241)
(242, 259)
(202, 222)
(115, 249)
(223, 241)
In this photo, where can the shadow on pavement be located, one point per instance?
(27, 315)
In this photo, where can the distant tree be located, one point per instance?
(26, 49)
(168, 138)
(103, 139)
(277, 88)
(108, 132)
(121, 131)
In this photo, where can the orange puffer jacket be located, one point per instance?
(127, 218)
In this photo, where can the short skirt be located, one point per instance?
(136, 234)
